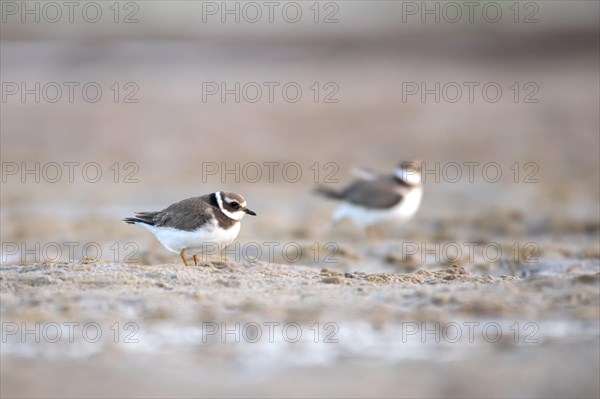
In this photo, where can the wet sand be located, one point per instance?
(196, 329)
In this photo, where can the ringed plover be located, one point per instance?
(191, 224)
(375, 199)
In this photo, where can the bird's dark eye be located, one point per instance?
(234, 205)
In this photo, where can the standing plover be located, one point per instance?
(196, 223)
(376, 199)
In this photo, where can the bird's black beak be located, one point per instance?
(249, 212)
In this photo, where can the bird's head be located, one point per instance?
(409, 173)
(233, 205)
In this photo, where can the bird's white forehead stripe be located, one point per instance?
(230, 200)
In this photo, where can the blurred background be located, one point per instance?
(150, 102)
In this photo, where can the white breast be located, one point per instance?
(194, 241)
(409, 206)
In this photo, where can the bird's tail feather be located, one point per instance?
(142, 217)
(328, 193)
(136, 220)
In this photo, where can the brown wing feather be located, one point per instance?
(186, 215)
(377, 194)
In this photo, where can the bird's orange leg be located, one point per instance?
(195, 260)
(370, 233)
(375, 233)
(380, 232)
(183, 257)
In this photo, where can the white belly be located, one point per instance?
(363, 217)
(195, 241)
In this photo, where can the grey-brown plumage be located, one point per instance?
(380, 193)
(187, 215)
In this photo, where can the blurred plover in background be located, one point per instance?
(194, 224)
(377, 199)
